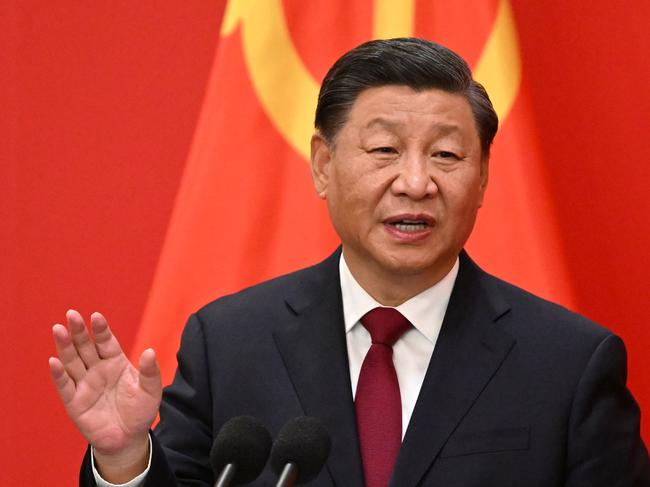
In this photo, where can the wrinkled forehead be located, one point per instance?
(399, 107)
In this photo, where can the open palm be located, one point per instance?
(110, 401)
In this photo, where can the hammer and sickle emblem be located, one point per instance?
(288, 92)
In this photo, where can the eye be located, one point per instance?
(443, 154)
(384, 150)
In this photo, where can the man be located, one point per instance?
(424, 369)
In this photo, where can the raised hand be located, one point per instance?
(111, 402)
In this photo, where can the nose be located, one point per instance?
(414, 179)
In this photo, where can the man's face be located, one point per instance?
(403, 181)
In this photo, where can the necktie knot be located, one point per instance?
(385, 325)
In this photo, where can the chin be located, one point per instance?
(409, 263)
(420, 260)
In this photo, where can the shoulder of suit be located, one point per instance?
(268, 296)
(532, 314)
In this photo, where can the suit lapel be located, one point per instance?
(469, 351)
(313, 348)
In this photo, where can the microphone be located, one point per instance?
(300, 451)
(240, 451)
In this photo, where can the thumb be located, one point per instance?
(149, 376)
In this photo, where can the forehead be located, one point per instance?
(401, 107)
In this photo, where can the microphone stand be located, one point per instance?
(226, 475)
(288, 476)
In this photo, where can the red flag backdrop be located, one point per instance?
(141, 140)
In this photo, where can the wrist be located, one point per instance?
(123, 466)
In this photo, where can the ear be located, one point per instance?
(321, 157)
(485, 170)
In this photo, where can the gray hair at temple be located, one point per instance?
(416, 63)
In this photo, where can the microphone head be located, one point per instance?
(246, 443)
(305, 442)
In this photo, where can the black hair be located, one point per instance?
(416, 63)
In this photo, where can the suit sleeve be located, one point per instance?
(604, 443)
(182, 440)
(159, 474)
(185, 428)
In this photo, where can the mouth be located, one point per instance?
(409, 225)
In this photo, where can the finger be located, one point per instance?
(105, 342)
(65, 386)
(149, 376)
(67, 353)
(81, 339)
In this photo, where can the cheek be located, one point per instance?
(357, 191)
(463, 197)
(342, 201)
(354, 209)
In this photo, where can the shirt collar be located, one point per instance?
(425, 311)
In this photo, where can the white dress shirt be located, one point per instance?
(411, 353)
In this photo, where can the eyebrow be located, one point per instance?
(382, 122)
(442, 128)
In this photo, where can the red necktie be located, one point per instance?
(377, 401)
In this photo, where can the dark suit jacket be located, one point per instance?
(519, 392)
